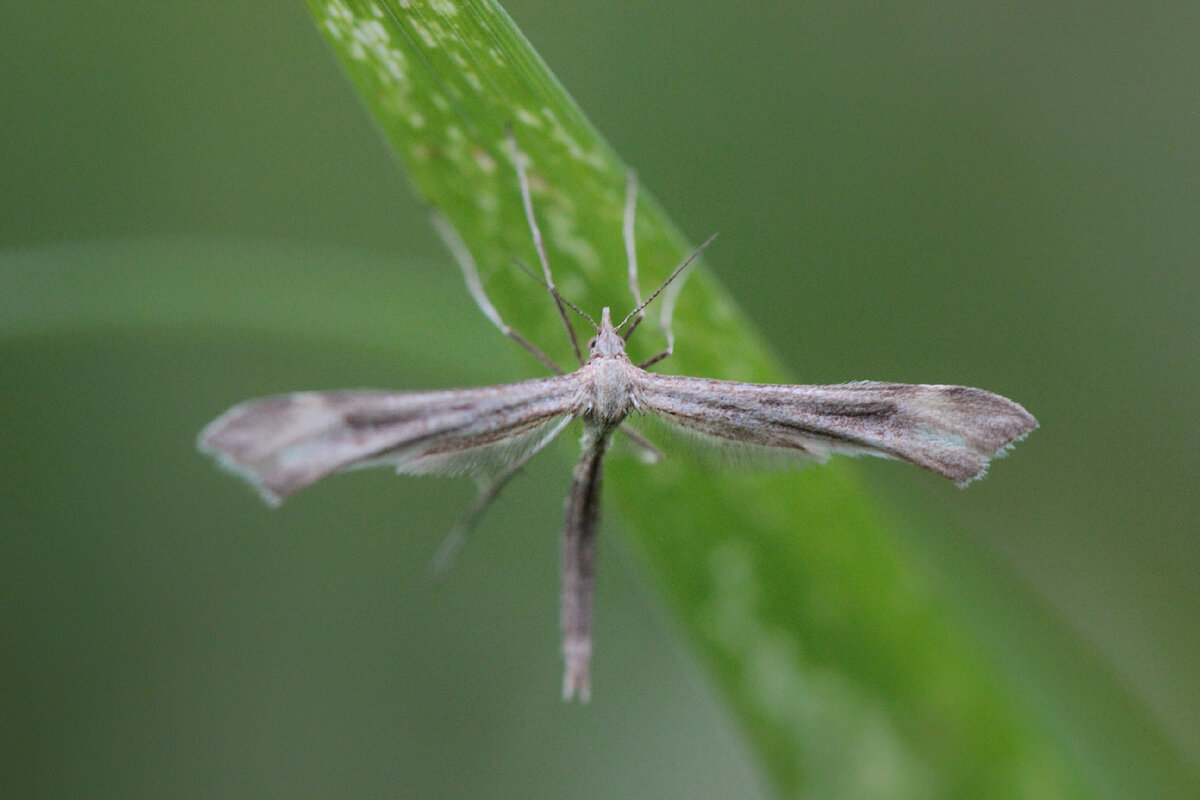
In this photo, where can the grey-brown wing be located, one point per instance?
(282, 444)
(952, 430)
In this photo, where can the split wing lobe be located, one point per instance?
(951, 430)
(282, 444)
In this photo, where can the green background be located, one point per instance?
(982, 194)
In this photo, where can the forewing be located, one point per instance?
(952, 430)
(282, 444)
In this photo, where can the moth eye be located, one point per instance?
(591, 343)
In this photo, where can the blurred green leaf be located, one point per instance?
(288, 290)
(842, 661)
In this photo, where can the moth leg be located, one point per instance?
(457, 536)
(670, 293)
(649, 362)
(631, 184)
(539, 245)
(650, 454)
(466, 262)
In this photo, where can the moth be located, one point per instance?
(282, 444)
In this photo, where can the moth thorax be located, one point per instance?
(611, 387)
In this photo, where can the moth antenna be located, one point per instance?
(581, 313)
(667, 282)
(525, 268)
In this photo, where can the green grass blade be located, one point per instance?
(841, 659)
(153, 287)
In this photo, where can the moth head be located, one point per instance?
(606, 342)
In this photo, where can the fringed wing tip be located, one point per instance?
(1004, 430)
(209, 441)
